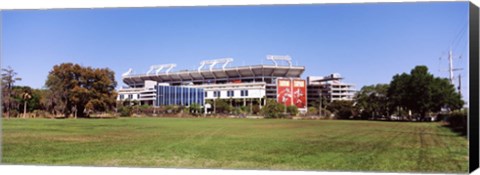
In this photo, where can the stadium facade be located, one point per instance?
(215, 79)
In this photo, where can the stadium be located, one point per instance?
(215, 79)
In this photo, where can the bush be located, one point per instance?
(273, 109)
(441, 117)
(195, 108)
(312, 111)
(125, 111)
(174, 109)
(14, 113)
(41, 113)
(245, 109)
(256, 109)
(341, 109)
(344, 113)
(146, 110)
(458, 121)
(222, 107)
(292, 110)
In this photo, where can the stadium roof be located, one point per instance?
(216, 74)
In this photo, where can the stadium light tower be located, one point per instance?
(159, 68)
(130, 71)
(212, 63)
(275, 58)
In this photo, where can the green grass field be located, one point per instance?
(235, 144)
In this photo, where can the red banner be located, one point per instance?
(284, 91)
(299, 93)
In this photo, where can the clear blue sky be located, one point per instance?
(366, 43)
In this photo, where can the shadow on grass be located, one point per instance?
(461, 131)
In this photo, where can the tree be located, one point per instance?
(223, 106)
(372, 101)
(25, 97)
(273, 109)
(81, 90)
(421, 92)
(9, 77)
(341, 108)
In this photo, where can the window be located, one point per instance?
(229, 93)
(206, 94)
(130, 96)
(244, 93)
(216, 93)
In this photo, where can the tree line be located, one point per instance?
(70, 90)
(413, 95)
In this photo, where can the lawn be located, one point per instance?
(235, 144)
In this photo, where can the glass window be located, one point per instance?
(202, 98)
(194, 95)
(244, 93)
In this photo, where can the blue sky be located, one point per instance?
(366, 43)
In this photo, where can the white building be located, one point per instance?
(330, 87)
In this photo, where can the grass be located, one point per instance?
(236, 144)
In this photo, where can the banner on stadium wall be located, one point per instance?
(284, 91)
(299, 93)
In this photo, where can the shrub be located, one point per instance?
(441, 117)
(292, 110)
(326, 113)
(222, 107)
(41, 113)
(256, 109)
(125, 111)
(245, 109)
(195, 108)
(273, 109)
(148, 110)
(173, 109)
(458, 121)
(341, 109)
(14, 113)
(312, 111)
(344, 113)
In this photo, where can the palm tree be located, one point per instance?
(25, 96)
(9, 77)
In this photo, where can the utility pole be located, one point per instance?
(450, 65)
(451, 69)
(460, 84)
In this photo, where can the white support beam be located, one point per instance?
(130, 71)
(275, 58)
(159, 68)
(212, 63)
